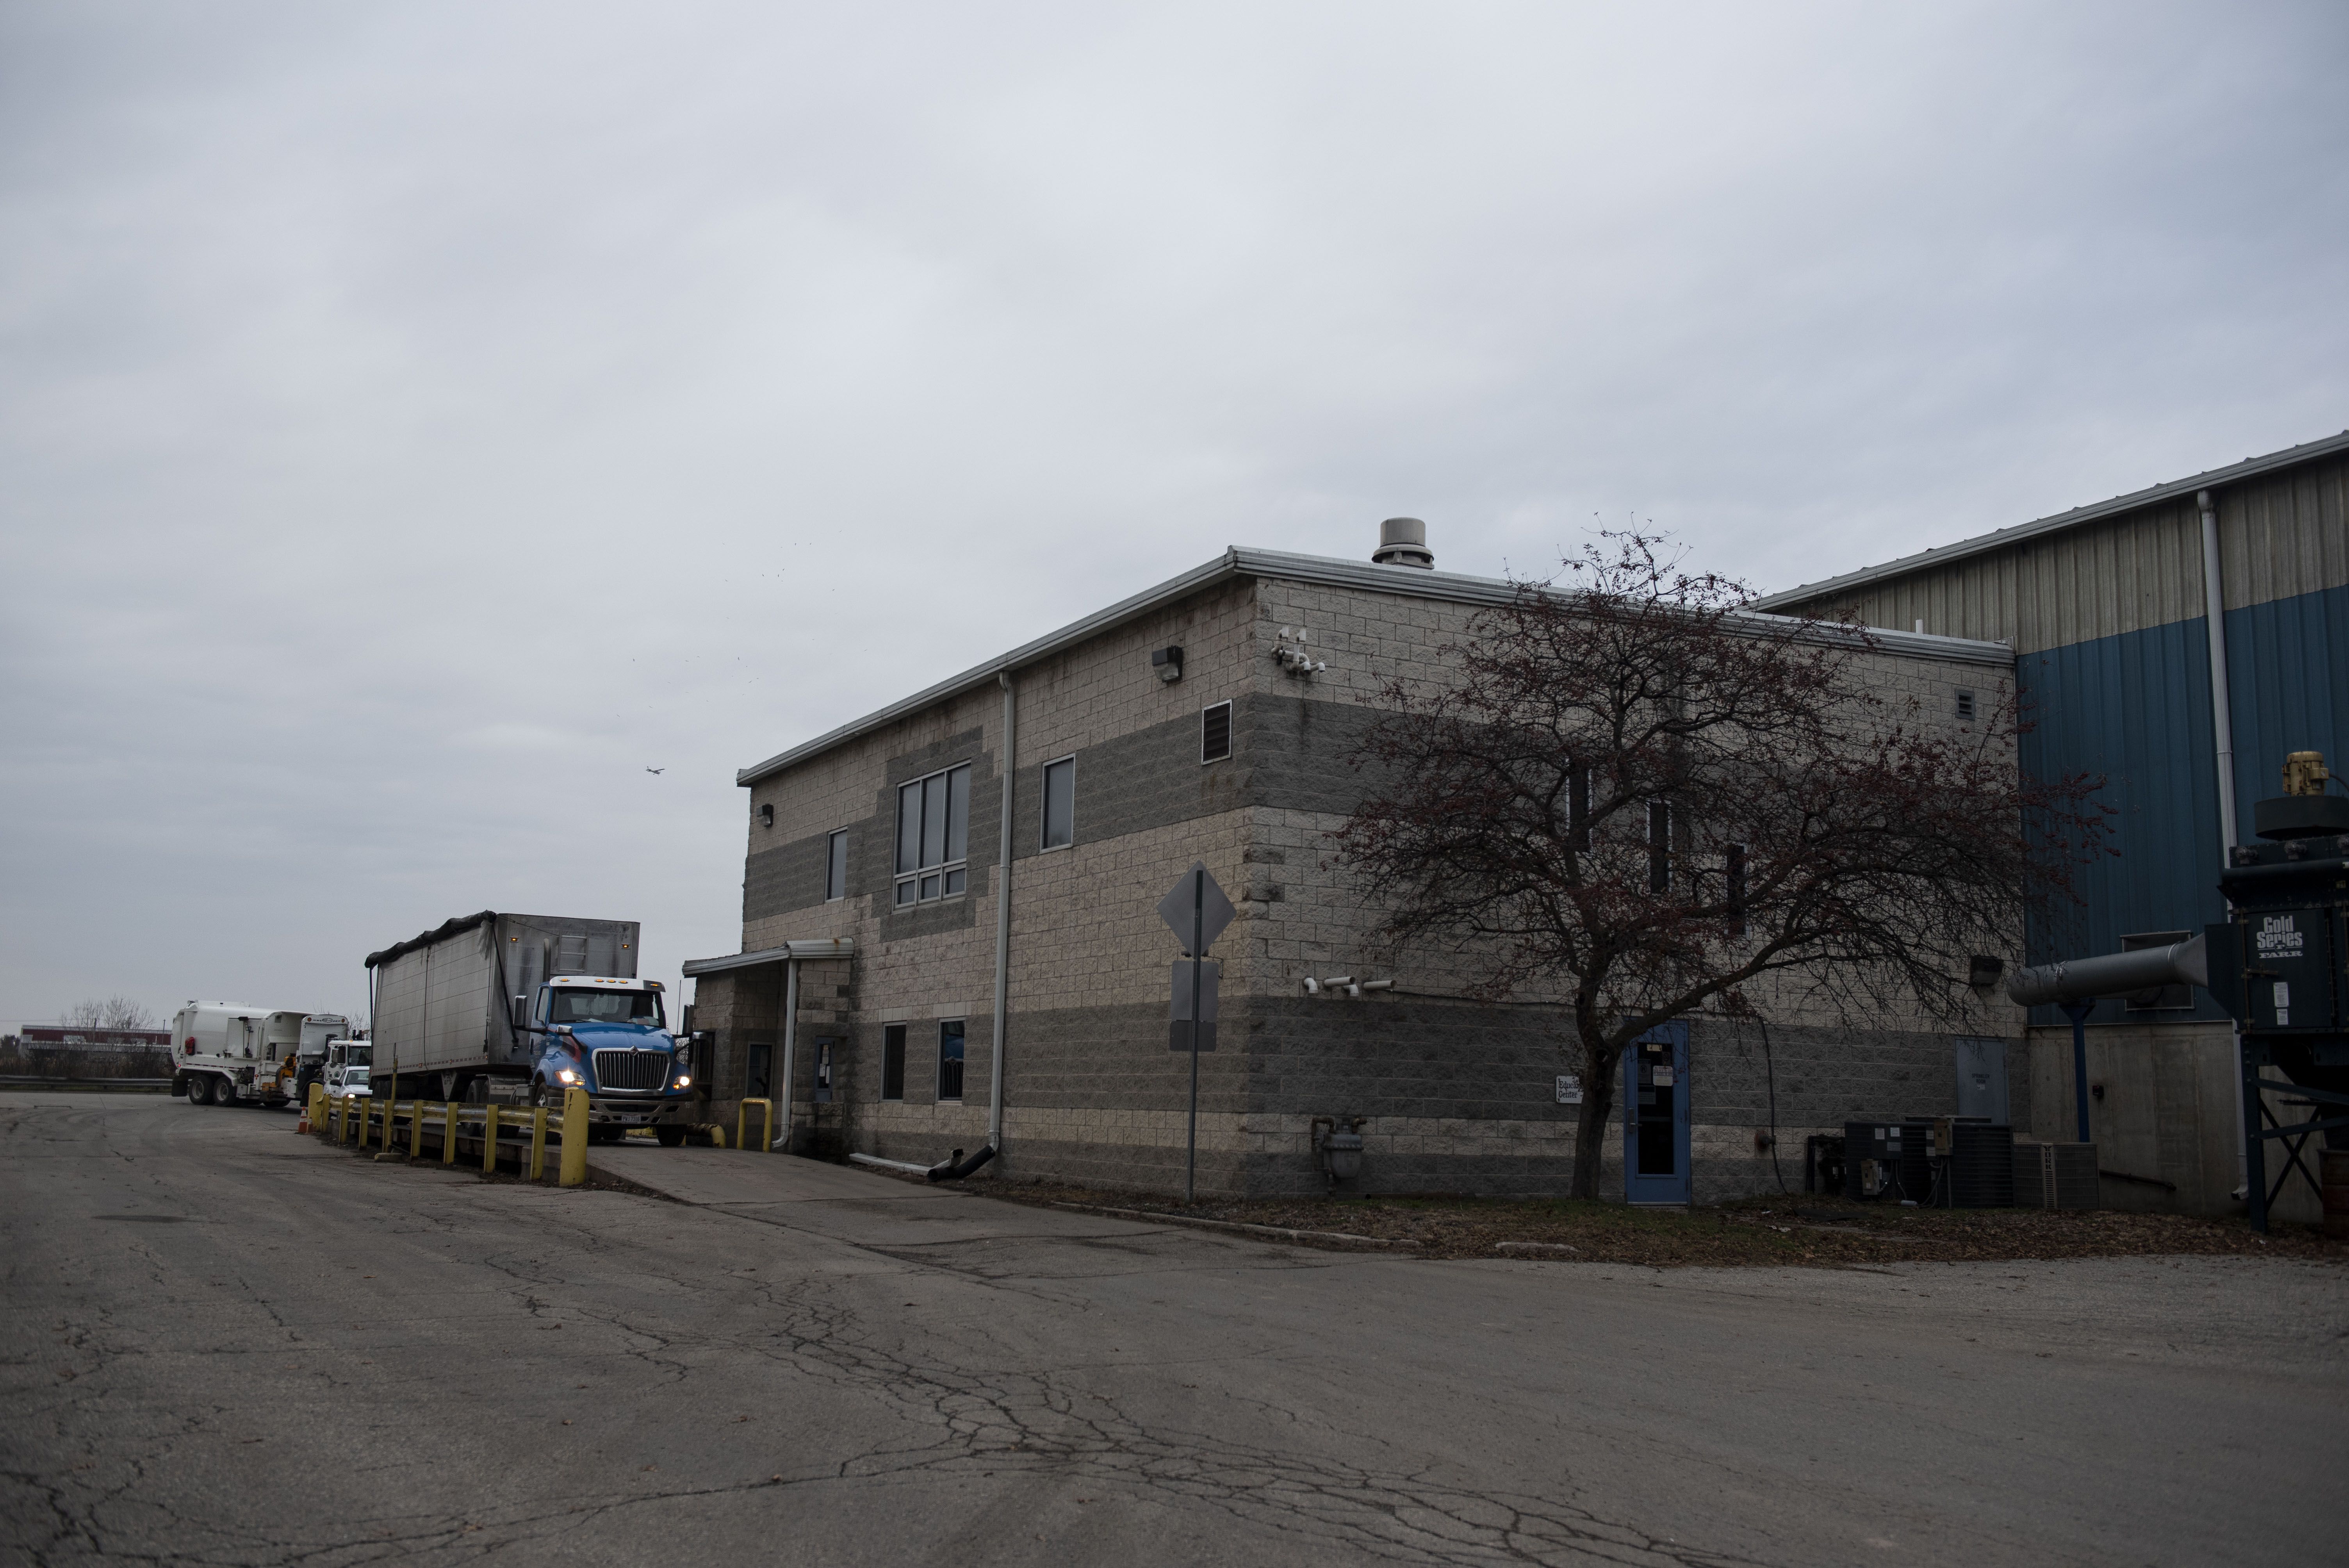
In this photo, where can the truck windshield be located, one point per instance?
(360, 1056)
(607, 1007)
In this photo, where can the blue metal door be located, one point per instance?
(1656, 1116)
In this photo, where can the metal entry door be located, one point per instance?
(1656, 1116)
(757, 1077)
(1981, 1077)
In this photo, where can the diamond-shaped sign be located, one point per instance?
(1197, 905)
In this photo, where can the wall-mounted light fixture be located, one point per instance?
(767, 815)
(1167, 663)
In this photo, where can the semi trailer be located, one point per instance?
(499, 1006)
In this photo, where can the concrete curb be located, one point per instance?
(1534, 1249)
(1330, 1241)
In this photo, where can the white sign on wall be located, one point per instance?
(1569, 1088)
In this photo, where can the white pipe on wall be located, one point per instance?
(1009, 769)
(2222, 720)
(790, 1042)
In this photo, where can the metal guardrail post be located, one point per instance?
(316, 1110)
(449, 1132)
(574, 1137)
(766, 1122)
(490, 1138)
(538, 1143)
(416, 1130)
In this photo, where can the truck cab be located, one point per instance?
(348, 1066)
(609, 1035)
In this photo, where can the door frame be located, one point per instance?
(1675, 1188)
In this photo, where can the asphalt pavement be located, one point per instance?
(228, 1344)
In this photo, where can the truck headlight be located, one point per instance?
(566, 1075)
(684, 1080)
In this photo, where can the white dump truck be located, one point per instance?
(225, 1053)
(491, 1006)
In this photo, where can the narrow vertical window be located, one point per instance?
(1060, 803)
(1578, 806)
(835, 866)
(950, 1060)
(1216, 733)
(1660, 847)
(1965, 702)
(893, 1061)
(1733, 877)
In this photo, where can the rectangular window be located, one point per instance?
(1578, 806)
(1734, 876)
(1660, 847)
(1965, 702)
(1216, 733)
(1060, 803)
(950, 1060)
(835, 866)
(933, 836)
(893, 1061)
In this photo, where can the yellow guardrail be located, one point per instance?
(358, 1117)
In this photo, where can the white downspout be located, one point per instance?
(2222, 731)
(2222, 721)
(1010, 772)
(783, 1139)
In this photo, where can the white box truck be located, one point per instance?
(225, 1053)
(531, 1003)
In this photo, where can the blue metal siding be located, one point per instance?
(2136, 709)
(2288, 667)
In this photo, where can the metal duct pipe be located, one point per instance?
(1009, 771)
(2222, 719)
(2114, 975)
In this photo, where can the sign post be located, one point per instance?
(1197, 910)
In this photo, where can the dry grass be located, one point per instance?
(1799, 1231)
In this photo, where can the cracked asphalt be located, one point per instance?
(230, 1345)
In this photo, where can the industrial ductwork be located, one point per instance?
(2114, 975)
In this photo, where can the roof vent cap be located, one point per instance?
(1402, 541)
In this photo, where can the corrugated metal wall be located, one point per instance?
(2288, 672)
(2280, 535)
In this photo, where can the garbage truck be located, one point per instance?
(227, 1053)
(500, 1006)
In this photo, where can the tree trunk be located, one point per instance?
(1590, 1128)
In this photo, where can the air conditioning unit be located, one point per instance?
(2056, 1176)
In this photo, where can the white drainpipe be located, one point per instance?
(2222, 722)
(783, 1138)
(2223, 731)
(1009, 771)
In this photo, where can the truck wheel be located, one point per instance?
(670, 1137)
(224, 1092)
(199, 1089)
(538, 1091)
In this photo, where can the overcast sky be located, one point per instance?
(417, 420)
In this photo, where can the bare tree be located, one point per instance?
(118, 1012)
(1638, 798)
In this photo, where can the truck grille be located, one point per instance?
(631, 1069)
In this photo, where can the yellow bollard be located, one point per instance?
(416, 1130)
(490, 1137)
(365, 1108)
(317, 1111)
(574, 1137)
(766, 1122)
(449, 1134)
(538, 1143)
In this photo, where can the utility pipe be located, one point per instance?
(1010, 772)
(2222, 721)
(790, 1042)
(2223, 731)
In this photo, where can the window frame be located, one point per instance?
(1045, 813)
(1229, 716)
(893, 1056)
(1967, 706)
(835, 866)
(950, 874)
(961, 1028)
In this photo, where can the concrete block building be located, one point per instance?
(957, 894)
(2180, 642)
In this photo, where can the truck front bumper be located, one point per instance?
(639, 1111)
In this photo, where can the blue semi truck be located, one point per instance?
(509, 1007)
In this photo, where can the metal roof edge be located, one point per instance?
(1239, 561)
(1980, 544)
(806, 949)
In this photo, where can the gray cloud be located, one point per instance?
(421, 419)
